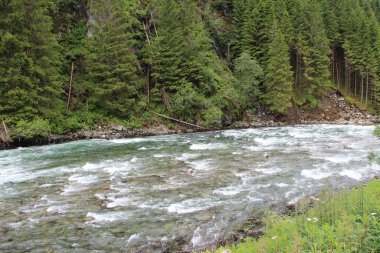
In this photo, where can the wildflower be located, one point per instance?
(315, 220)
(308, 219)
(274, 237)
(314, 198)
(373, 214)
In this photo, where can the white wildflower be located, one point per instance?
(314, 198)
(274, 237)
(373, 214)
(308, 219)
(315, 220)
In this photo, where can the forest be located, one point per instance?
(67, 65)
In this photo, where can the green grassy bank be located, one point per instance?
(348, 221)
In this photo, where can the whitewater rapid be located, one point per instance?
(186, 190)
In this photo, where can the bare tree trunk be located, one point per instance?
(349, 80)
(337, 74)
(148, 85)
(356, 77)
(297, 69)
(5, 128)
(70, 86)
(333, 63)
(367, 88)
(362, 89)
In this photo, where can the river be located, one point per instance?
(183, 191)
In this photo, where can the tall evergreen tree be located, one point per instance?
(250, 75)
(279, 77)
(29, 62)
(114, 79)
(189, 76)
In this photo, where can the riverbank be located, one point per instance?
(345, 221)
(333, 109)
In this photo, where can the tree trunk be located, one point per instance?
(5, 128)
(356, 88)
(367, 88)
(333, 63)
(349, 79)
(70, 86)
(362, 89)
(148, 85)
(337, 75)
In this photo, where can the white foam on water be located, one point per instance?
(143, 148)
(132, 238)
(228, 191)
(269, 141)
(47, 185)
(352, 174)
(107, 217)
(127, 141)
(254, 199)
(58, 209)
(91, 166)
(83, 179)
(202, 165)
(134, 160)
(281, 185)
(79, 182)
(270, 171)
(209, 146)
(187, 156)
(161, 155)
(315, 174)
(119, 167)
(191, 206)
(122, 201)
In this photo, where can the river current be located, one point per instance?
(187, 191)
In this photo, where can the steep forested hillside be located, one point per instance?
(66, 65)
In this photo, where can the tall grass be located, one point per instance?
(338, 222)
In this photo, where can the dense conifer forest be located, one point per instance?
(67, 65)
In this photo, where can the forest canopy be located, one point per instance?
(67, 65)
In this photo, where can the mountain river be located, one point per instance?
(186, 190)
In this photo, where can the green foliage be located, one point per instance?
(377, 131)
(212, 117)
(188, 75)
(279, 77)
(345, 222)
(250, 75)
(29, 62)
(60, 58)
(29, 129)
(113, 74)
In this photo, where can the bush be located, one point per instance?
(29, 129)
(377, 131)
(212, 117)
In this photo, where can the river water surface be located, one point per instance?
(187, 190)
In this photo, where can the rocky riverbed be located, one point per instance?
(333, 109)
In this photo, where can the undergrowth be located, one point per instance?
(338, 222)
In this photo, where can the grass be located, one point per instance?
(338, 222)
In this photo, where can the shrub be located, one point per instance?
(29, 129)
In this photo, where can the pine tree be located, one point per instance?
(29, 62)
(250, 75)
(188, 75)
(279, 77)
(314, 48)
(113, 69)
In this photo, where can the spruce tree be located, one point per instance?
(29, 62)
(189, 77)
(114, 80)
(279, 77)
(250, 75)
